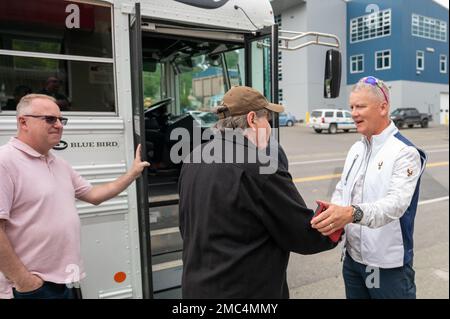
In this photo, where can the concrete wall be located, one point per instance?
(303, 70)
(424, 96)
(326, 17)
(294, 65)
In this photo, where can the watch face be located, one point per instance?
(358, 214)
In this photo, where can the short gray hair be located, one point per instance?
(25, 103)
(238, 122)
(374, 89)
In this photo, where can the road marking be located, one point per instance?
(316, 178)
(441, 274)
(334, 176)
(167, 265)
(165, 231)
(434, 200)
(343, 158)
(318, 161)
(437, 164)
(438, 146)
(437, 151)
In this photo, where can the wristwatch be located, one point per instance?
(357, 214)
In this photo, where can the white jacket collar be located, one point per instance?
(379, 140)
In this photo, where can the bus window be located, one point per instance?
(199, 84)
(153, 89)
(184, 80)
(56, 27)
(261, 71)
(59, 49)
(193, 71)
(236, 67)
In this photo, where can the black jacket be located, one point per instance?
(238, 227)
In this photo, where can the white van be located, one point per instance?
(331, 120)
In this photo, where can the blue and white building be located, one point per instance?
(404, 43)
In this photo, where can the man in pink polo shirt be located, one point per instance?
(39, 224)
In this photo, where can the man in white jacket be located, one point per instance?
(376, 200)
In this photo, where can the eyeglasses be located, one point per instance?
(375, 82)
(50, 119)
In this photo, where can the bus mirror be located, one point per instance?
(333, 70)
(214, 59)
(149, 65)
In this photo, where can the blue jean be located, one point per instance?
(49, 290)
(362, 282)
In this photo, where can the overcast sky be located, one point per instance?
(443, 2)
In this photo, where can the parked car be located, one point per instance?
(215, 100)
(208, 119)
(331, 120)
(287, 119)
(410, 116)
(204, 119)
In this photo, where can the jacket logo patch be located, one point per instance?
(380, 164)
(409, 172)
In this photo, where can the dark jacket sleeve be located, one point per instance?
(282, 158)
(287, 218)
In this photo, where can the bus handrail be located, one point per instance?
(286, 40)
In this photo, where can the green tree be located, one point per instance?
(152, 84)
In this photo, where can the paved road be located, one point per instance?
(316, 160)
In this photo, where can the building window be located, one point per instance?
(357, 63)
(429, 28)
(443, 63)
(278, 20)
(280, 96)
(370, 26)
(383, 60)
(420, 60)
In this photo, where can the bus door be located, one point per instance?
(180, 73)
(186, 70)
(139, 138)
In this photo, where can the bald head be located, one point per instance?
(35, 125)
(25, 104)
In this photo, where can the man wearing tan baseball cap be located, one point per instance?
(238, 221)
(246, 109)
(241, 100)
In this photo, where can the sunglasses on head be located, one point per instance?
(375, 82)
(50, 119)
